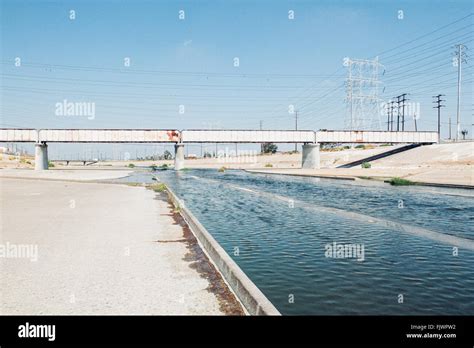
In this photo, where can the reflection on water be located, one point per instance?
(282, 231)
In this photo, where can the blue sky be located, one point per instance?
(190, 62)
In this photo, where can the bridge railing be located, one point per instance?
(90, 135)
(247, 136)
(375, 137)
(211, 136)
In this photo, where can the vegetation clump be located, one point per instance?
(50, 164)
(131, 165)
(160, 187)
(366, 165)
(269, 148)
(164, 166)
(222, 169)
(268, 165)
(400, 182)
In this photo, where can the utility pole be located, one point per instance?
(261, 144)
(414, 120)
(296, 128)
(401, 99)
(398, 112)
(460, 58)
(388, 117)
(438, 106)
(392, 106)
(403, 110)
(450, 128)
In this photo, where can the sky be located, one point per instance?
(173, 64)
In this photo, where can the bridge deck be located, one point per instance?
(211, 136)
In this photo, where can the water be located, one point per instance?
(277, 229)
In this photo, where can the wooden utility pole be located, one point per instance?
(438, 106)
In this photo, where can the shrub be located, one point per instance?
(400, 182)
(360, 146)
(131, 165)
(269, 148)
(158, 187)
(167, 155)
(222, 169)
(366, 165)
(268, 165)
(50, 164)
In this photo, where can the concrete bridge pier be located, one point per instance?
(311, 156)
(41, 156)
(178, 156)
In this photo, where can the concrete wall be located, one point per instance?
(310, 156)
(178, 156)
(41, 157)
(254, 301)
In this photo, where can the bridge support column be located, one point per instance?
(311, 156)
(41, 156)
(179, 156)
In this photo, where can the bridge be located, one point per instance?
(310, 139)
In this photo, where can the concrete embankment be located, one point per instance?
(447, 178)
(443, 165)
(101, 249)
(248, 293)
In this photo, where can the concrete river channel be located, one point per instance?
(338, 247)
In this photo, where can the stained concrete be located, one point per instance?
(97, 252)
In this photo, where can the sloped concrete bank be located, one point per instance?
(254, 301)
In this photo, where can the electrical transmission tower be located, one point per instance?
(362, 87)
(460, 58)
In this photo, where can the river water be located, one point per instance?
(286, 233)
